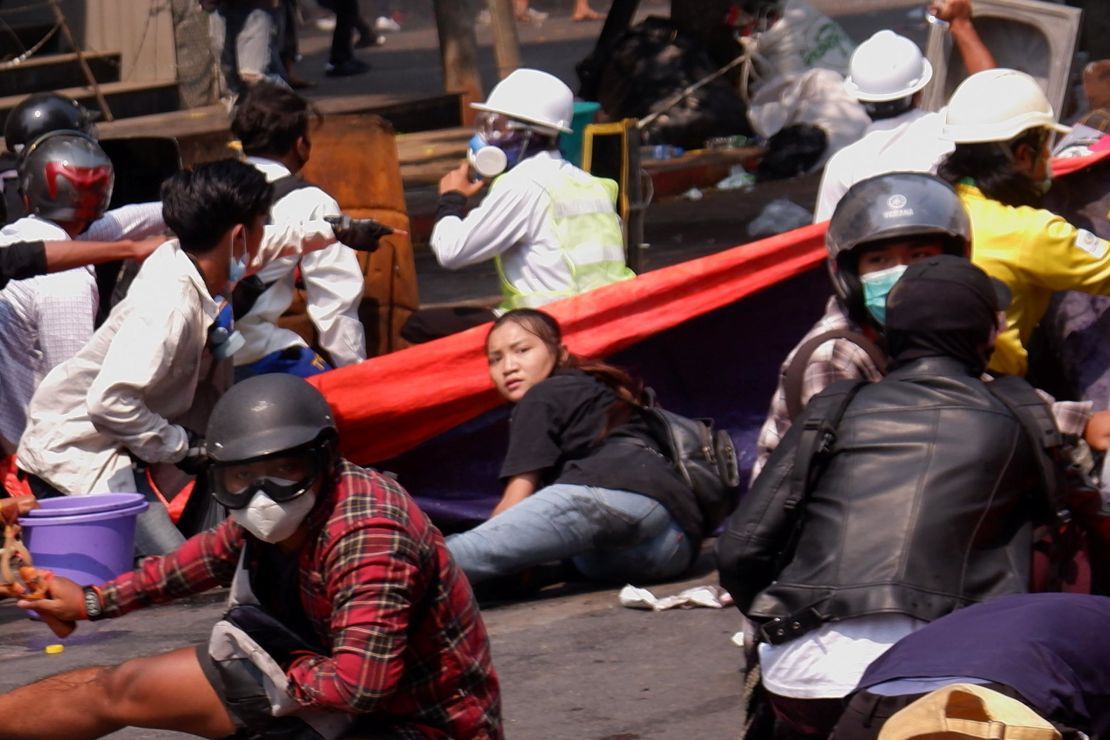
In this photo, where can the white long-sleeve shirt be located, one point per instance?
(43, 322)
(135, 221)
(910, 142)
(513, 221)
(139, 371)
(332, 278)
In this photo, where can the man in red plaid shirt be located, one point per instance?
(384, 640)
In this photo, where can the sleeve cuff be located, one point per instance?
(451, 203)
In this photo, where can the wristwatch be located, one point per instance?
(93, 610)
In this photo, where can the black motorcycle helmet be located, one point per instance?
(42, 113)
(896, 205)
(268, 416)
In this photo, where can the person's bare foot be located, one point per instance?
(588, 15)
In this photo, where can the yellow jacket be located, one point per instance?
(1036, 253)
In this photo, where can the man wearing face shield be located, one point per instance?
(551, 229)
(347, 613)
(921, 498)
(116, 403)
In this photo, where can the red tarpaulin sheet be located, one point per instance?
(390, 404)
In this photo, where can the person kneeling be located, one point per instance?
(385, 635)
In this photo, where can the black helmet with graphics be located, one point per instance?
(66, 177)
(897, 205)
(40, 114)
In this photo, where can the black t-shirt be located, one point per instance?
(557, 430)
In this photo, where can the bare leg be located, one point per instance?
(583, 12)
(165, 692)
(520, 9)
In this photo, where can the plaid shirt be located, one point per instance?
(843, 359)
(408, 646)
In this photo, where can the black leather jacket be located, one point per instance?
(927, 504)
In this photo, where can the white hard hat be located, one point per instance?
(534, 97)
(997, 105)
(887, 67)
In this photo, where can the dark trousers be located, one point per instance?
(434, 323)
(806, 718)
(346, 19)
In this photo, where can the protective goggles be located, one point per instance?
(498, 129)
(283, 477)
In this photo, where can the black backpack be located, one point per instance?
(704, 457)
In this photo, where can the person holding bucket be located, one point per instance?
(385, 638)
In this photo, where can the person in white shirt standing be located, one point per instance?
(887, 74)
(272, 123)
(66, 182)
(551, 229)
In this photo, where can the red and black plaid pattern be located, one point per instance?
(408, 647)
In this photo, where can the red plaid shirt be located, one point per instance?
(408, 646)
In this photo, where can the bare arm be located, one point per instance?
(67, 255)
(517, 489)
(973, 51)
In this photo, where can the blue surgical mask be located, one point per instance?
(876, 287)
(236, 268)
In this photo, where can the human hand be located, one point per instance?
(1097, 431)
(458, 180)
(16, 506)
(951, 11)
(362, 234)
(64, 602)
(196, 455)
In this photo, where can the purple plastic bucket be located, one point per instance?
(89, 539)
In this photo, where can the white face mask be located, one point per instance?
(270, 521)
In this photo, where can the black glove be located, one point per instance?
(358, 233)
(196, 455)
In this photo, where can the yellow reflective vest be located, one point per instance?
(582, 210)
(1036, 253)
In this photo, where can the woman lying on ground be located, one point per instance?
(583, 478)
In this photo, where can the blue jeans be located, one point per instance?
(614, 536)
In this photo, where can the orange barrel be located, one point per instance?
(354, 158)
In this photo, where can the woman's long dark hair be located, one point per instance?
(629, 390)
(993, 170)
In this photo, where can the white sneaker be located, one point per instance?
(386, 25)
(483, 17)
(536, 17)
(326, 23)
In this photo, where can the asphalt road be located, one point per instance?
(573, 663)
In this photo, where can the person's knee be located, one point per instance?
(122, 684)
